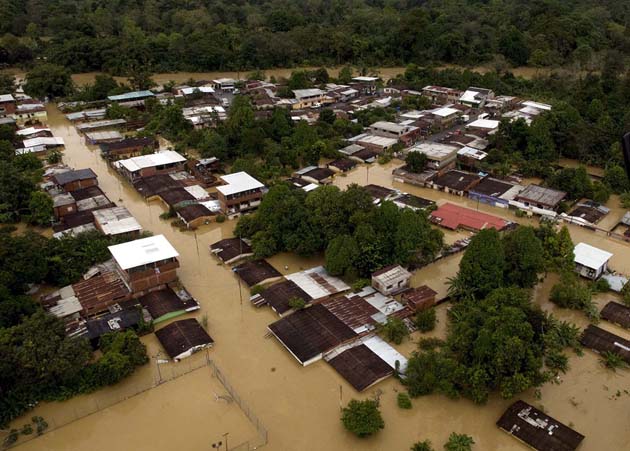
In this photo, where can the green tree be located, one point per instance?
(362, 418)
(394, 330)
(7, 83)
(403, 400)
(424, 445)
(48, 80)
(459, 442)
(481, 268)
(523, 257)
(41, 209)
(616, 178)
(416, 162)
(341, 255)
(425, 320)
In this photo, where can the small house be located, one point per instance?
(419, 298)
(496, 193)
(439, 156)
(537, 429)
(240, 192)
(454, 217)
(116, 221)
(75, 179)
(183, 338)
(314, 174)
(476, 97)
(617, 314)
(147, 263)
(456, 182)
(127, 148)
(590, 262)
(163, 162)
(540, 197)
(8, 105)
(601, 341)
(440, 95)
(257, 272)
(391, 280)
(308, 98)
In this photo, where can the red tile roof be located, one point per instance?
(453, 217)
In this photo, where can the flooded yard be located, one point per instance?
(300, 405)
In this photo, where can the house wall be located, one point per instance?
(590, 273)
(157, 275)
(391, 287)
(7, 108)
(79, 184)
(64, 210)
(240, 203)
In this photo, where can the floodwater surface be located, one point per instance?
(300, 406)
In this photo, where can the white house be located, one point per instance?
(590, 262)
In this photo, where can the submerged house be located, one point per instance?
(146, 264)
(391, 280)
(159, 163)
(601, 341)
(240, 193)
(183, 338)
(230, 250)
(590, 262)
(537, 429)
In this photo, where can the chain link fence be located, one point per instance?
(98, 401)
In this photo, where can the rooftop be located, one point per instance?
(445, 112)
(361, 367)
(303, 93)
(453, 217)
(310, 332)
(616, 313)
(601, 341)
(537, 429)
(182, 336)
(6, 98)
(457, 180)
(589, 256)
(134, 95)
(64, 178)
(256, 272)
(164, 302)
(237, 183)
(278, 295)
(151, 160)
(540, 195)
(435, 151)
(484, 123)
(492, 187)
(116, 220)
(317, 283)
(142, 252)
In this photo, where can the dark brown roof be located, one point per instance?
(492, 187)
(181, 336)
(319, 173)
(256, 271)
(366, 154)
(230, 248)
(298, 182)
(162, 302)
(124, 319)
(87, 193)
(601, 341)
(378, 192)
(175, 196)
(457, 180)
(279, 295)
(310, 332)
(361, 367)
(343, 164)
(419, 294)
(588, 213)
(156, 184)
(73, 176)
(97, 293)
(616, 313)
(74, 220)
(191, 212)
(414, 201)
(128, 143)
(352, 310)
(553, 436)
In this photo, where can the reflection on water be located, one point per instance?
(300, 406)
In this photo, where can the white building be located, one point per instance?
(590, 262)
(391, 280)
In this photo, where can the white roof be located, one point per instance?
(469, 96)
(116, 220)
(386, 352)
(471, 152)
(388, 126)
(413, 114)
(212, 205)
(301, 93)
(105, 135)
(364, 78)
(224, 81)
(154, 159)
(434, 150)
(537, 105)
(142, 252)
(197, 191)
(66, 307)
(203, 89)
(589, 256)
(44, 141)
(238, 182)
(484, 123)
(348, 92)
(31, 131)
(530, 110)
(6, 98)
(310, 187)
(445, 112)
(317, 283)
(378, 140)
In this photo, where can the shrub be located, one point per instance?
(600, 286)
(613, 361)
(403, 400)
(459, 442)
(362, 418)
(359, 284)
(220, 219)
(425, 320)
(430, 343)
(297, 303)
(394, 330)
(424, 445)
(256, 289)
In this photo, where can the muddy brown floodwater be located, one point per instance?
(300, 406)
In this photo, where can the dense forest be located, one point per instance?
(117, 36)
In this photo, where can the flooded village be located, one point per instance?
(247, 367)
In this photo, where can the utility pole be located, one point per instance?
(225, 436)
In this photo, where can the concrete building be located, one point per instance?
(146, 264)
(163, 162)
(8, 105)
(240, 193)
(407, 134)
(440, 95)
(590, 262)
(476, 97)
(439, 156)
(391, 280)
(308, 98)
